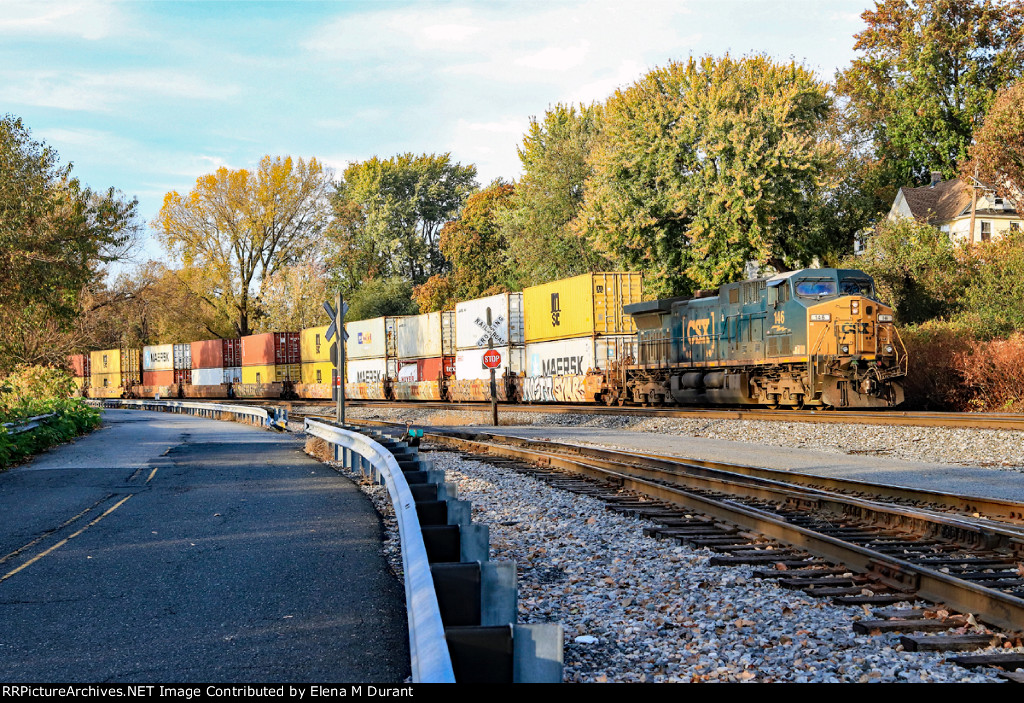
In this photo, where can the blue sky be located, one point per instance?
(148, 96)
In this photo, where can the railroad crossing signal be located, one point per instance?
(333, 327)
(491, 331)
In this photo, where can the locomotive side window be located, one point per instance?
(815, 289)
(857, 286)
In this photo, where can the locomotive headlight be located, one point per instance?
(855, 304)
(885, 318)
(821, 317)
(846, 348)
(888, 349)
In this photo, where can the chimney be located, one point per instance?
(936, 178)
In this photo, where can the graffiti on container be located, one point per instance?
(555, 389)
(418, 390)
(365, 391)
(475, 389)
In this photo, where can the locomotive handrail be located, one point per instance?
(431, 660)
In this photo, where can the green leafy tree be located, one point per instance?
(377, 297)
(916, 269)
(998, 151)
(993, 299)
(926, 75)
(389, 214)
(704, 166)
(475, 247)
(536, 222)
(55, 237)
(237, 228)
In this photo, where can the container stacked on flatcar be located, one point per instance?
(317, 369)
(575, 326)
(271, 365)
(426, 354)
(80, 364)
(158, 372)
(115, 373)
(183, 364)
(371, 358)
(216, 364)
(494, 322)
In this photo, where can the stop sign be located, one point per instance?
(492, 359)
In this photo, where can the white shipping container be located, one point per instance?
(425, 336)
(207, 377)
(370, 370)
(158, 357)
(576, 355)
(494, 321)
(182, 356)
(370, 339)
(469, 363)
(233, 374)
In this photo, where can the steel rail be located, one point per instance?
(994, 607)
(969, 506)
(431, 660)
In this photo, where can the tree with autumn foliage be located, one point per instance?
(477, 251)
(927, 73)
(997, 155)
(237, 228)
(706, 165)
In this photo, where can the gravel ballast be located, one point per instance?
(638, 609)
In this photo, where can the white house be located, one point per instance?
(948, 205)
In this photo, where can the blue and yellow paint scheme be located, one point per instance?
(813, 337)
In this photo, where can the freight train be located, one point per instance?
(807, 338)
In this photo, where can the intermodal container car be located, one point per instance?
(271, 349)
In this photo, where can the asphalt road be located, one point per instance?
(175, 549)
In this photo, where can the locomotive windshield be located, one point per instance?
(857, 286)
(818, 288)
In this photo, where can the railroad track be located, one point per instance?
(989, 421)
(857, 543)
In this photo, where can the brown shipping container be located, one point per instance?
(271, 348)
(216, 353)
(183, 376)
(157, 378)
(80, 365)
(131, 366)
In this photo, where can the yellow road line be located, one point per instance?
(151, 475)
(64, 541)
(43, 536)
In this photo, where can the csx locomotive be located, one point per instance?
(814, 337)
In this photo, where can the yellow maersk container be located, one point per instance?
(314, 347)
(581, 306)
(272, 373)
(318, 372)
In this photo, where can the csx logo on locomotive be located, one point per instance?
(698, 331)
(854, 328)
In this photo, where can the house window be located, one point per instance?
(1015, 227)
(986, 231)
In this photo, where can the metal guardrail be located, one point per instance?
(26, 425)
(431, 660)
(276, 418)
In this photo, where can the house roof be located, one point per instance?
(939, 203)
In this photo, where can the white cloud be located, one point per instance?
(105, 92)
(555, 58)
(86, 19)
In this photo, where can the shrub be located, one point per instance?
(934, 380)
(994, 371)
